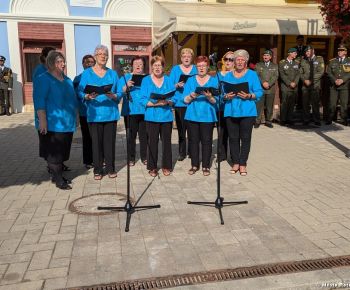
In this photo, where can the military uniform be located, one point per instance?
(6, 84)
(311, 69)
(267, 72)
(339, 69)
(289, 72)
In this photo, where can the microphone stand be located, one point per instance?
(129, 208)
(219, 202)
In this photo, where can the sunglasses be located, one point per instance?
(228, 59)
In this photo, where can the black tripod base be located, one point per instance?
(129, 209)
(219, 204)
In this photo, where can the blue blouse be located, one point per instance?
(238, 107)
(57, 98)
(175, 74)
(200, 109)
(81, 104)
(135, 107)
(156, 114)
(38, 70)
(102, 108)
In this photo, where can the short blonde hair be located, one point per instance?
(156, 58)
(187, 50)
(241, 52)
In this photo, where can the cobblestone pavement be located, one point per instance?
(297, 188)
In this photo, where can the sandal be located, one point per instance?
(243, 171)
(206, 171)
(153, 172)
(166, 172)
(193, 170)
(234, 169)
(131, 163)
(97, 176)
(144, 162)
(112, 174)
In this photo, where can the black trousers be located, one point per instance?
(181, 125)
(103, 136)
(4, 101)
(223, 136)
(240, 136)
(137, 126)
(200, 132)
(154, 130)
(87, 141)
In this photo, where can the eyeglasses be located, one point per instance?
(228, 59)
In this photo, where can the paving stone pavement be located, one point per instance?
(297, 187)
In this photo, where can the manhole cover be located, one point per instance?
(87, 205)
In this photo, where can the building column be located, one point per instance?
(16, 66)
(70, 50)
(106, 40)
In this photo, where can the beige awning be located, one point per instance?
(204, 17)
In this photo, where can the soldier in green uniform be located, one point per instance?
(268, 75)
(6, 83)
(311, 71)
(289, 74)
(339, 74)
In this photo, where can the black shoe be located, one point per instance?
(8, 114)
(65, 167)
(53, 180)
(282, 123)
(256, 125)
(269, 124)
(290, 123)
(63, 185)
(328, 122)
(89, 166)
(181, 158)
(2, 114)
(306, 123)
(318, 124)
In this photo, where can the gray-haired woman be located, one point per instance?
(56, 110)
(240, 110)
(102, 111)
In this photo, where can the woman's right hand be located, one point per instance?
(43, 126)
(90, 96)
(229, 96)
(129, 84)
(193, 95)
(180, 85)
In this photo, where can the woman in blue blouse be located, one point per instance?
(227, 66)
(240, 110)
(158, 116)
(200, 115)
(56, 106)
(135, 109)
(102, 112)
(185, 68)
(88, 61)
(42, 67)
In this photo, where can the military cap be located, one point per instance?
(292, 49)
(2, 58)
(342, 47)
(268, 51)
(308, 47)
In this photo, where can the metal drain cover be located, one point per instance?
(87, 205)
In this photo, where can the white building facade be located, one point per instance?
(74, 27)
